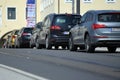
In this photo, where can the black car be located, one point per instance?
(35, 34)
(23, 38)
(55, 30)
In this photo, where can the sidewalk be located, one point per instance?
(9, 73)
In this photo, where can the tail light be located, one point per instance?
(100, 37)
(13, 36)
(97, 26)
(24, 34)
(55, 28)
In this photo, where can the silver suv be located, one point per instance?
(98, 28)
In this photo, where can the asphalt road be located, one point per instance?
(63, 64)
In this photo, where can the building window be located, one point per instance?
(45, 3)
(0, 16)
(87, 1)
(68, 0)
(11, 13)
(110, 1)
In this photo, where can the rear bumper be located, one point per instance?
(25, 42)
(105, 42)
(60, 41)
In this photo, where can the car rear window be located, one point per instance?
(28, 30)
(16, 32)
(109, 17)
(66, 20)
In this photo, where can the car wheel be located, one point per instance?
(48, 45)
(18, 45)
(30, 45)
(13, 46)
(111, 49)
(64, 47)
(88, 47)
(72, 47)
(37, 44)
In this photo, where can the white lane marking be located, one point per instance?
(34, 77)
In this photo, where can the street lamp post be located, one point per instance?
(78, 6)
(73, 7)
(58, 6)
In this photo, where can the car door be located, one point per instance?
(75, 32)
(33, 37)
(18, 37)
(85, 26)
(43, 31)
(81, 30)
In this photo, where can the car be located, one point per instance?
(55, 30)
(11, 39)
(23, 38)
(97, 28)
(4, 40)
(34, 35)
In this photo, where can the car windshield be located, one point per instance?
(67, 20)
(109, 17)
(28, 30)
(16, 32)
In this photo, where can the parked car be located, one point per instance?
(34, 35)
(98, 28)
(5, 42)
(55, 30)
(11, 38)
(23, 38)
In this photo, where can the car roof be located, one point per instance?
(27, 27)
(104, 11)
(54, 14)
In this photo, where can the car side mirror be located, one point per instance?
(78, 22)
(9, 36)
(41, 28)
(82, 20)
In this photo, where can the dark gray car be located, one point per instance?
(98, 28)
(23, 38)
(35, 33)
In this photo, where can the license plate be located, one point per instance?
(115, 29)
(66, 33)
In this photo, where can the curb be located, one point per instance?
(20, 72)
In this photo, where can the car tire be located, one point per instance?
(88, 47)
(31, 45)
(18, 45)
(72, 47)
(37, 45)
(47, 44)
(111, 49)
(64, 47)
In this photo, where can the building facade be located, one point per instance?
(65, 6)
(13, 12)
(12, 15)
